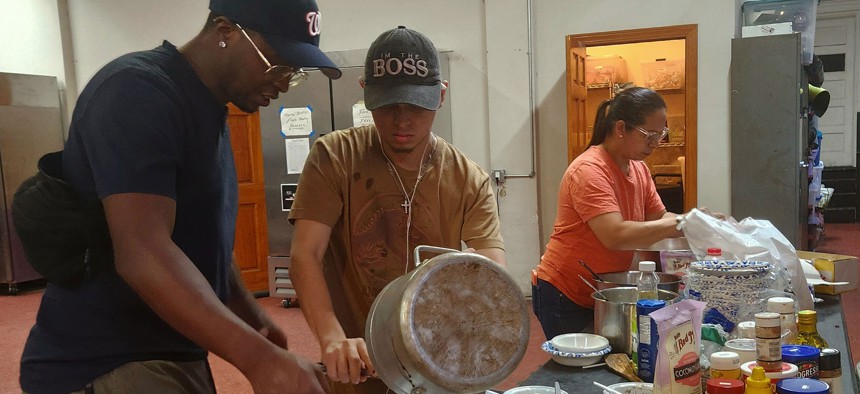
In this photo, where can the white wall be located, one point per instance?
(491, 111)
(716, 27)
(104, 29)
(31, 38)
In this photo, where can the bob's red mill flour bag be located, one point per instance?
(679, 326)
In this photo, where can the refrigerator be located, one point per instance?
(329, 104)
(30, 126)
(769, 149)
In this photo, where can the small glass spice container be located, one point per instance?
(768, 331)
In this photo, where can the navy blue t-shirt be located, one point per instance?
(145, 123)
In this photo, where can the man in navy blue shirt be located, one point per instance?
(149, 139)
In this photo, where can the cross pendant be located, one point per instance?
(405, 205)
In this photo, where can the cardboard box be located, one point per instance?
(834, 268)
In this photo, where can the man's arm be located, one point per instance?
(162, 275)
(343, 357)
(495, 254)
(243, 304)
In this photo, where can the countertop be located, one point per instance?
(831, 326)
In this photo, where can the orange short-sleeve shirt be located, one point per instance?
(594, 185)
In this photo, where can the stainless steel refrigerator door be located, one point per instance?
(315, 92)
(30, 126)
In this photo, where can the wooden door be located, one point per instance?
(577, 46)
(252, 242)
(577, 133)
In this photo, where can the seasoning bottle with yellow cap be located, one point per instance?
(758, 383)
(807, 330)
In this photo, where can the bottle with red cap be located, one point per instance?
(715, 254)
(724, 386)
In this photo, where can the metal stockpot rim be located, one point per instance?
(390, 333)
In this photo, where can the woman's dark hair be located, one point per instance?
(631, 105)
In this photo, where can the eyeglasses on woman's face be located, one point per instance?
(277, 74)
(653, 136)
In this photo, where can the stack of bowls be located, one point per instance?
(577, 349)
(737, 289)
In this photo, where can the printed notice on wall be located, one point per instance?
(297, 152)
(296, 122)
(360, 115)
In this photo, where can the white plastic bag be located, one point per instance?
(751, 240)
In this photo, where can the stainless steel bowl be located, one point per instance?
(669, 282)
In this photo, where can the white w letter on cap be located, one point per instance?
(313, 19)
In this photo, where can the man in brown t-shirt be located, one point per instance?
(368, 195)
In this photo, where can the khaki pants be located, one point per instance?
(155, 376)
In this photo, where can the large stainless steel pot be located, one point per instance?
(456, 324)
(615, 311)
(609, 280)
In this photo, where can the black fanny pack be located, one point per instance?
(64, 236)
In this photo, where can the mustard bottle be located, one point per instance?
(758, 383)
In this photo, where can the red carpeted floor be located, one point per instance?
(19, 313)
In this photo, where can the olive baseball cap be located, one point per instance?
(290, 27)
(402, 66)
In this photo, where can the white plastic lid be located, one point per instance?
(746, 329)
(725, 361)
(647, 266)
(780, 305)
(767, 319)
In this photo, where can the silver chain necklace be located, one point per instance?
(408, 197)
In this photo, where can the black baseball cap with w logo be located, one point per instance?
(290, 27)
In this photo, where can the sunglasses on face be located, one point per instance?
(277, 74)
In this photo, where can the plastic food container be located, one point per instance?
(788, 371)
(605, 71)
(663, 74)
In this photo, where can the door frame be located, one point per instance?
(577, 43)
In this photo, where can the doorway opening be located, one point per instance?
(664, 59)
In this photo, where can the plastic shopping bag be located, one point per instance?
(750, 240)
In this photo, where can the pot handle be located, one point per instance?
(428, 248)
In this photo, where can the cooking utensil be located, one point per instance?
(609, 280)
(324, 370)
(557, 388)
(596, 291)
(615, 313)
(416, 319)
(593, 274)
(607, 389)
(622, 365)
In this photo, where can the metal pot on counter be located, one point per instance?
(610, 280)
(615, 312)
(458, 323)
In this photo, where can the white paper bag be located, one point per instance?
(751, 240)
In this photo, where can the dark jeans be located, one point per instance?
(558, 314)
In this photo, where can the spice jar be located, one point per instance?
(805, 357)
(768, 354)
(802, 386)
(787, 319)
(725, 365)
(724, 386)
(830, 369)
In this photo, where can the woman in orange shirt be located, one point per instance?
(607, 207)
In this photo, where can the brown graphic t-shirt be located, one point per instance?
(347, 184)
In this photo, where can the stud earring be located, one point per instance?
(222, 44)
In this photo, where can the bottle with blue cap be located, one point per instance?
(802, 386)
